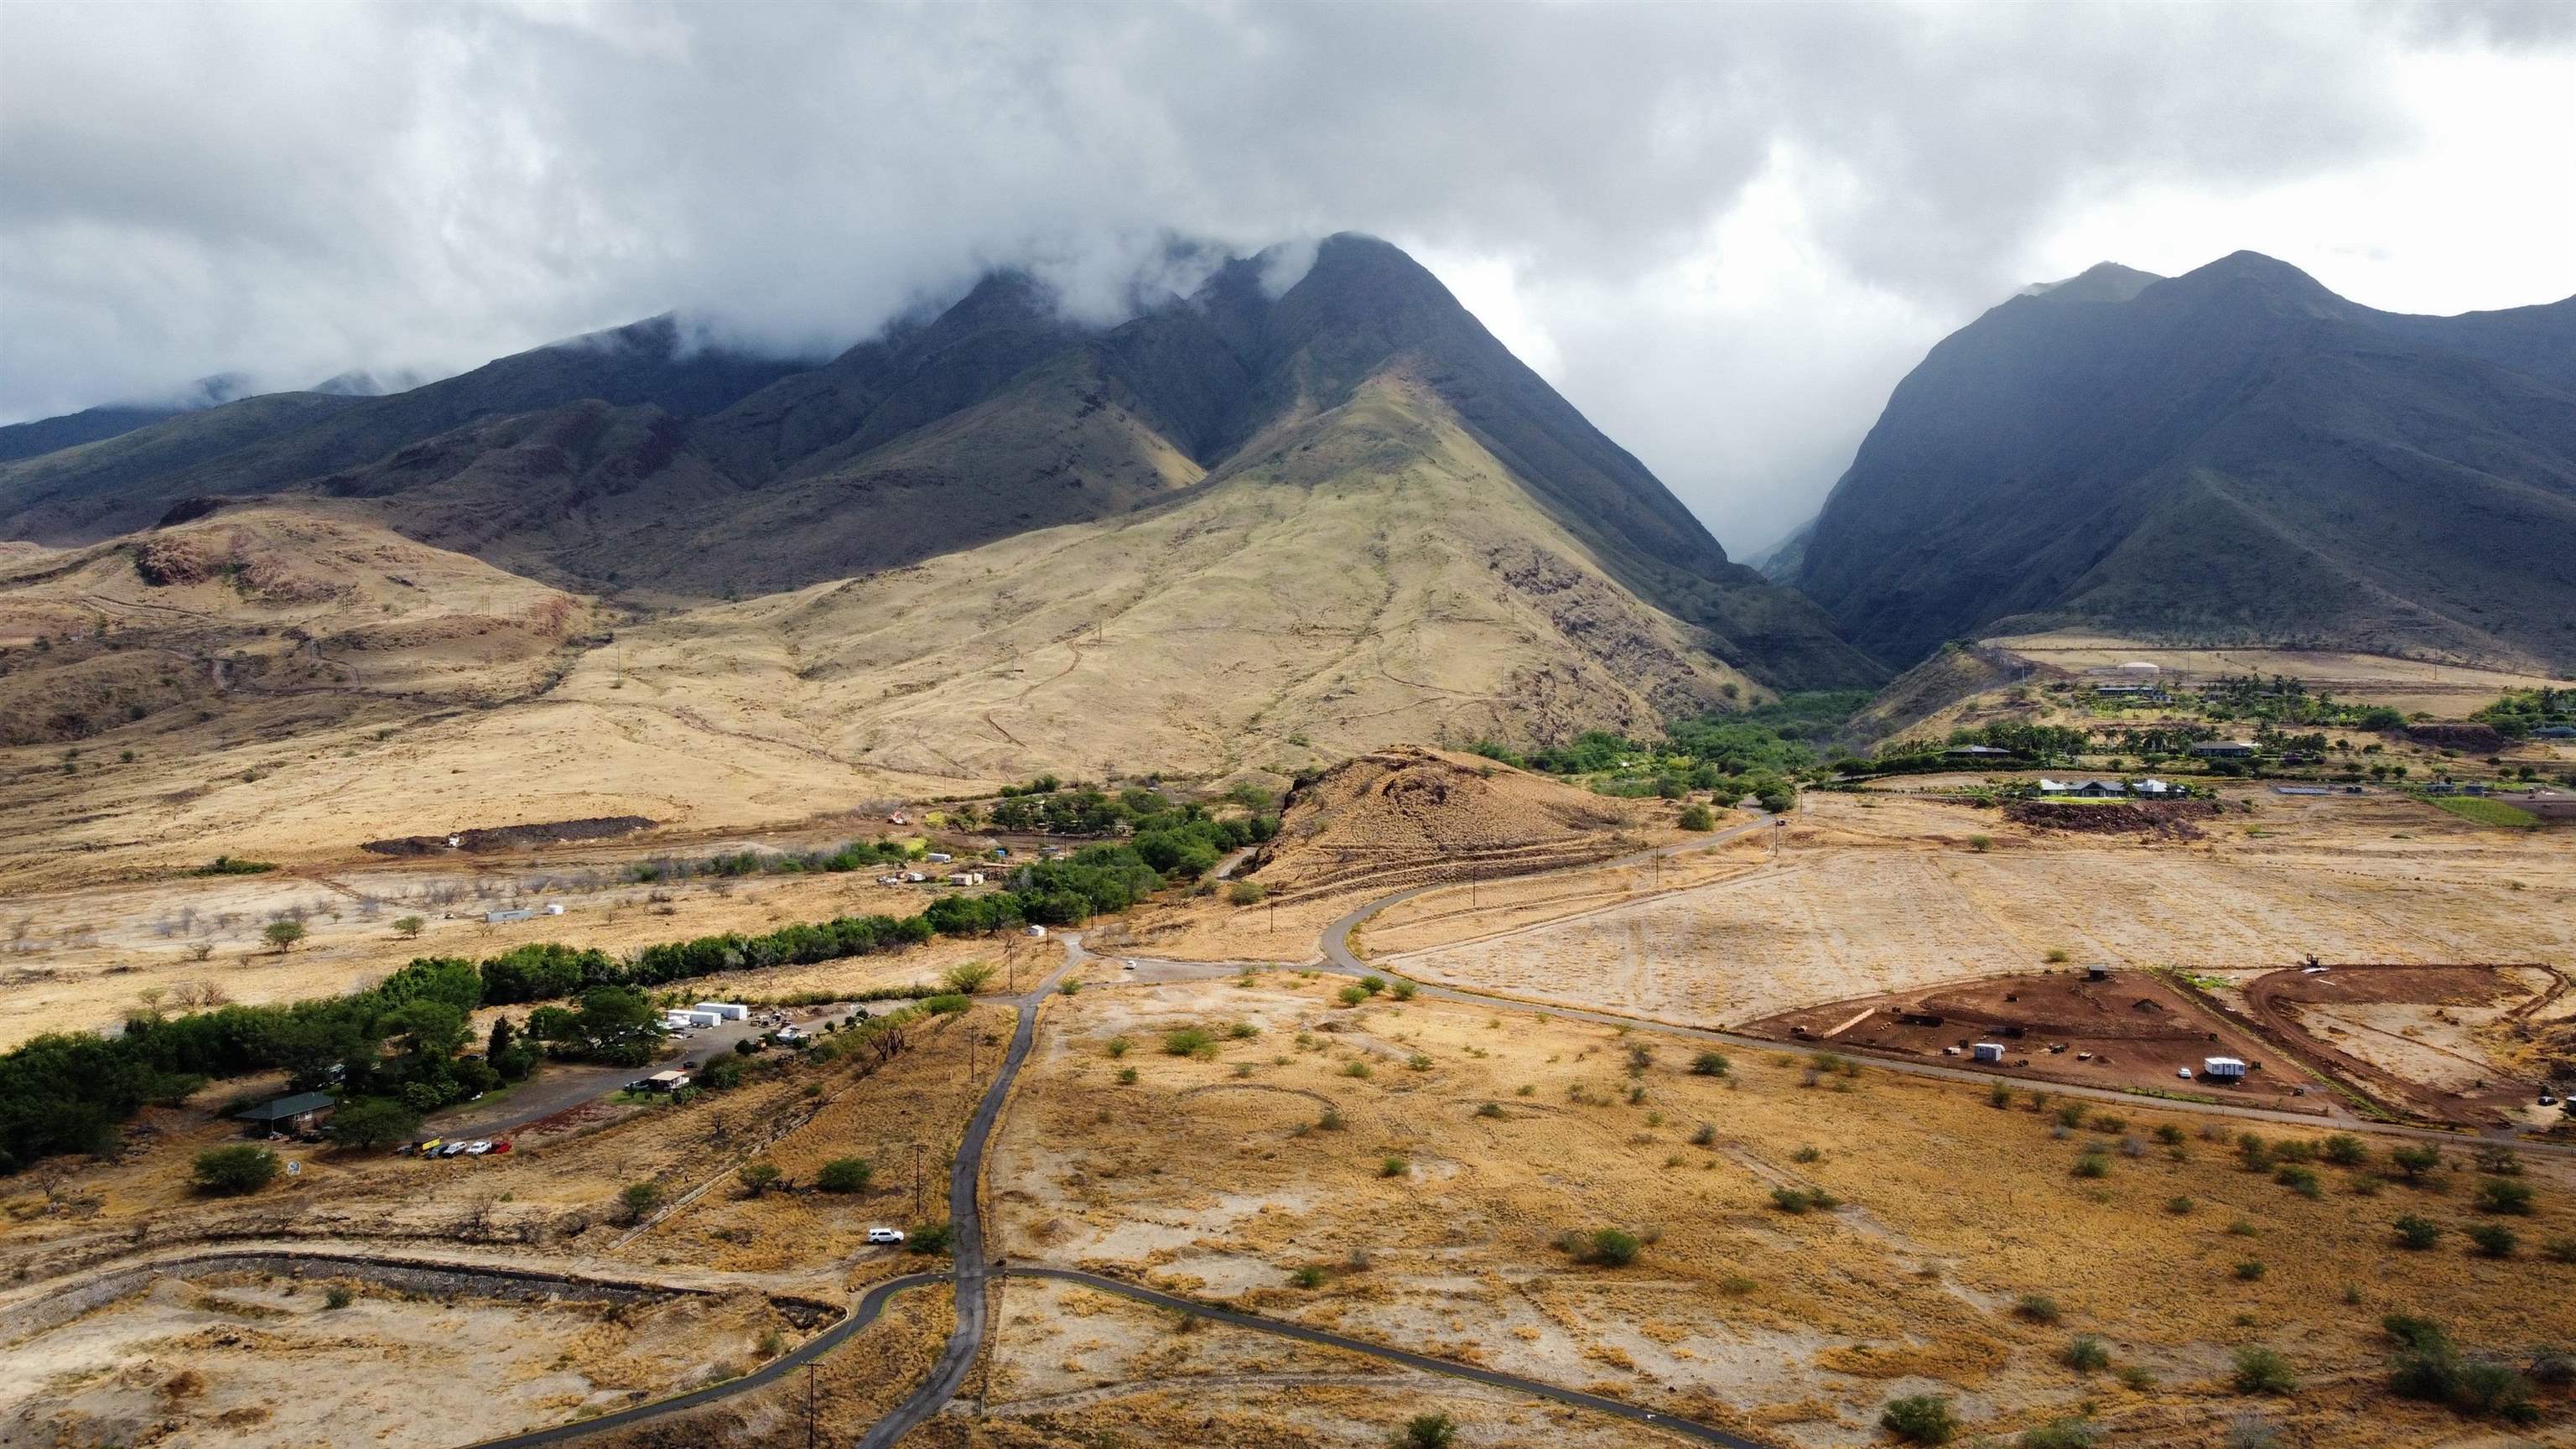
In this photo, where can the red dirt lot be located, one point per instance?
(2127, 1030)
(2287, 1006)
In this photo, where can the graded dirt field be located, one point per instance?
(2452, 1043)
(2127, 1031)
(1888, 893)
(2371, 678)
(1403, 1171)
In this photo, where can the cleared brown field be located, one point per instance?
(1883, 893)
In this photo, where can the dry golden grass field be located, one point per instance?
(1403, 1172)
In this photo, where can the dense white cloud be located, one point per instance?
(1723, 231)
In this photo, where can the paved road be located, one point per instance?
(1688, 1428)
(967, 1267)
(861, 1314)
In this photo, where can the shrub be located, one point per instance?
(2494, 1240)
(1372, 984)
(1352, 995)
(2062, 1434)
(2252, 1431)
(338, 1295)
(1245, 892)
(1403, 990)
(931, 1238)
(2415, 1331)
(283, 934)
(2300, 1180)
(2251, 1270)
(233, 1171)
(1309, 1276)
(846, 1174)
(1189, 1041)
(2416, 1159)
(1427, 1431)
(1356, 1069)
(968, 977)
(2498, 1160)
(2037, 1307)
(1920, 1419)
(2345, 1150)
(2179, 1206)
(409, 926)
(758, 1177)
(1706, 1133)
(2086, 1354)
(2093, 1163)
(1126, 1076)
(638, 1201)
(1490, 1109)
(1119, 1046)
(1709, 1064)
(1393, 1166)
(1243, 1030)
(2501, 1195)
(2259, 1370)
(2562, 1250)
(1981, 843)
(1697, 817)
(948, 1003)
(2256, 1153)
(1999, 1096)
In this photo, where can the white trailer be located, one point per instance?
(703, 1018)
(1990, 1051)
(2222, 1069)
(728, 1010)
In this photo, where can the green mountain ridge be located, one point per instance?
(2234, 455)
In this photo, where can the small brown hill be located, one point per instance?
(1404, 815)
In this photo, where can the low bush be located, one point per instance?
(2062, 1434)
(2416, 1232)
(1920, 1419)
(2503, 1195)
(2494, 1240)
(236, 1170)
(846, 1174)
(2259, 1370)
(2038, 1308)
(2086, 1354)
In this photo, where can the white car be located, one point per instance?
(885, 1235)
(478, 1146)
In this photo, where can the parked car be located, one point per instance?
(430, 1148)
(478, 1147)
(454, 1148)
(885, 1235)
(501, 1146)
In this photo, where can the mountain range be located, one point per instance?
(2232, 455)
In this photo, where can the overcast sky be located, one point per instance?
(1724, 232)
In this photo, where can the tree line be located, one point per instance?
(399, 1040)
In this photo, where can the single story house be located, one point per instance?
(2223, 750)
(1976, 752)
(2154, 787)
(496, 918)
(2088, 789)
(292, 1116)
(670, 1081)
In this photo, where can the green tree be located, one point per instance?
(373, 1122)
(846, 1174)
(2416, 1159)
(283, 934)
(638, 1200)
(1697, 817)
(758, 1177)
(409, 927)
(233, 1171)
